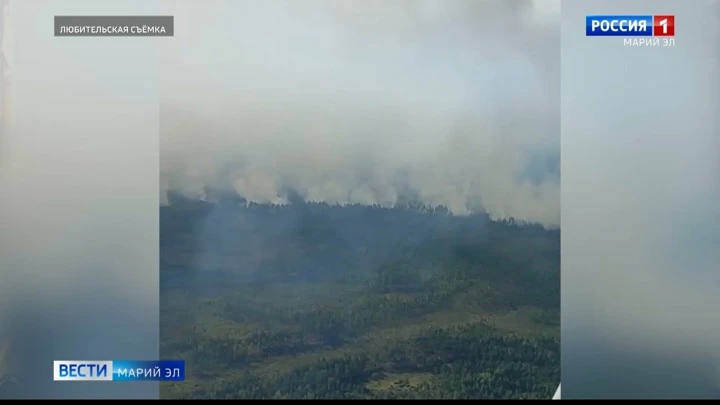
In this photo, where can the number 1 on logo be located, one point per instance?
(664, 26)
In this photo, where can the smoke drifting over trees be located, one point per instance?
(452, 103)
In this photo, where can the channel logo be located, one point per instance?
(118, 370)
(630, 26)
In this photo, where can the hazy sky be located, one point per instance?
(452, 102)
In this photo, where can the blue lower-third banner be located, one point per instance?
(119, 370)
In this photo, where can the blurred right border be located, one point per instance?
(640, 206)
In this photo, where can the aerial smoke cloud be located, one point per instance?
(452, 103)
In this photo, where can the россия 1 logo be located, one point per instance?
(638, 30)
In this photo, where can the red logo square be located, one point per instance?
(664, 26)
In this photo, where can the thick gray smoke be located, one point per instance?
(444, 102)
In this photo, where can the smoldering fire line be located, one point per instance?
(437, 100)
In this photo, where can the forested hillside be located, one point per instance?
(310, 300)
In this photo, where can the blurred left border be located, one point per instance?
(78, 198)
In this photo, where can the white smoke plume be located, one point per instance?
(447, 102)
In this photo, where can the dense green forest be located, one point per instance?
(310, 300)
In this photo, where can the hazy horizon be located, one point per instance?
(450, 103)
